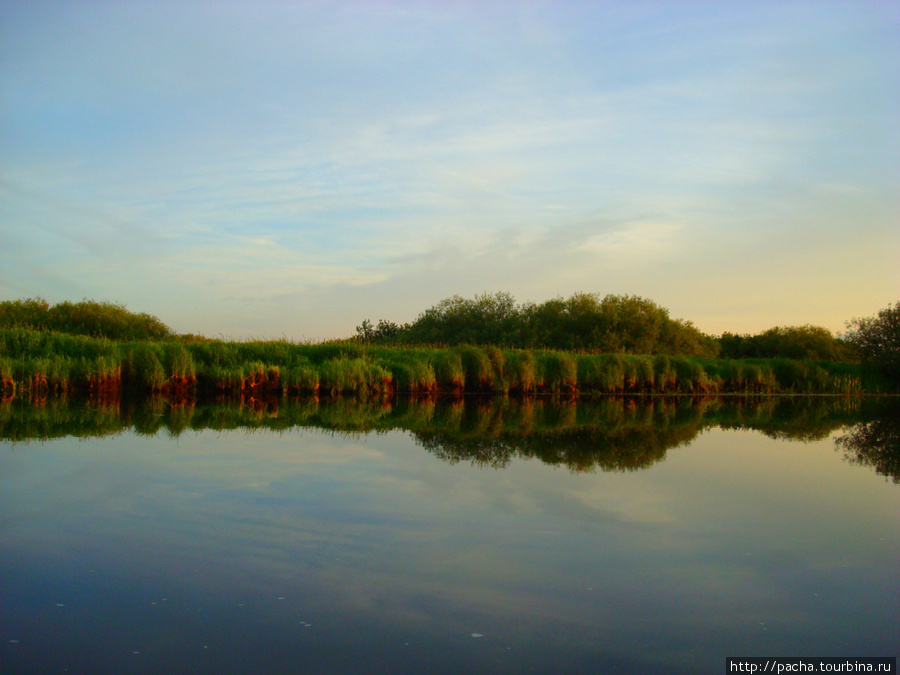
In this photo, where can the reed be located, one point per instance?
(520, 371)
(497, 359)
(478, 368)
(449, 372)
(39, 364)
(332, 351)
(690, 377)
(102, 376)
(412, 374)
(299, 378)
(600, 373)
(355, 375)
(643, 373)
(558, 371)
(664, 375)
(143, 367)
(7, 381)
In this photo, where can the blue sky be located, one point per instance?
(250, 169)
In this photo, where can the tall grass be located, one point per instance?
(479, 371)
(449, 371)
(556, 372)
(521, 371)
(40, 364)
(353, 375)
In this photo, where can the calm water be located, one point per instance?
(478, 537)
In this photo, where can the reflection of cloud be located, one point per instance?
(697, 551)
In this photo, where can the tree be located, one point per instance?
(585, 321)
(29, 313)
(788, 342)
(878, 339)
(364, 331)
(88, 317)
(487, 319)
(386, 332)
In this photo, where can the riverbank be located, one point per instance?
(47, 364)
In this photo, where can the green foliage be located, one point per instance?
(601, 373)
(385, 332)
(585, 321)
(520, 371)
(479, 371)
(48, 363)
(878, 340)
(556, 372)
(788, 342)
(30, 313)
(96, 319)
(144, 366)
(448, 367)
(486, 319)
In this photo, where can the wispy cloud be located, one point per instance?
(342, 151)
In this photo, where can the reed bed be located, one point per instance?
(41, 364)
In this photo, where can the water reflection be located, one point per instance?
(609, 434)
(345, 536)
(875, 442)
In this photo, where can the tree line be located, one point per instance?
(633, 325)
(584, 322)
(88, 317)
(587, 322)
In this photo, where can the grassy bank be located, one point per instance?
(46, 364)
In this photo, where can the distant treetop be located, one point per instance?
(97, 319)
(585, 322)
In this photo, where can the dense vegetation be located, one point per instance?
(584, 322)
(97, 319)
(612, 324)
(878, 340)
(613, 345)
(39, 364)
(789, 342)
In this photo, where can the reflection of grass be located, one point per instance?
(610, 433)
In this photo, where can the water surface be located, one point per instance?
(478, 537)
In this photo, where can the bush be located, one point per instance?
(96, 319)
(878, 340)
(813, 343)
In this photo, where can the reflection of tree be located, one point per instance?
(876, 442)
(583, 434)
(804, 418)
(581, 449)
(615, 434)
(610, 433)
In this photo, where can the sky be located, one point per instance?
(254, 170)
